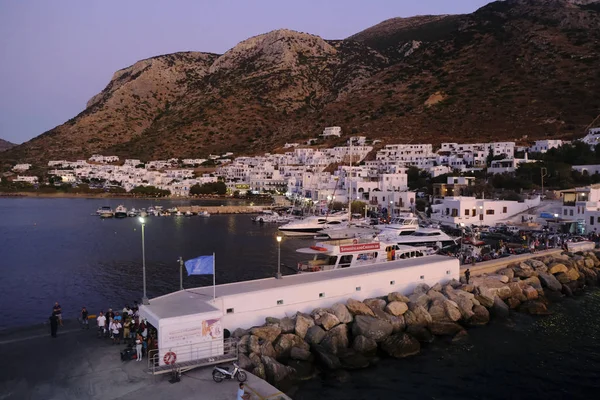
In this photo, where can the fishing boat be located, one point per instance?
(120, 211)
(350, 253)
(311, 225)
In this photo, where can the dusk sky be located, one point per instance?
(55, 55)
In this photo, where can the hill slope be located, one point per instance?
(513, 69)
(5, 145)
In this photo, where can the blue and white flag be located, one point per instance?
(203, 265)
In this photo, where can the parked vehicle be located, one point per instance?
(221, 373)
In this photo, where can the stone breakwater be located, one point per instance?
(353, 334)
(224, 209)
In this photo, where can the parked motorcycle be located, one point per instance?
(221, 373)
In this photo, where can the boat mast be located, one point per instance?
(348, 181)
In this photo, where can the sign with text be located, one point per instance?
(359, 247)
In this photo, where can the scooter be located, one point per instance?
(220, 373)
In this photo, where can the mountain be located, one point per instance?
(512, 70)
(5, 145)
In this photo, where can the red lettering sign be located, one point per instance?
(359, 247)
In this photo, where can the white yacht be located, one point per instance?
(337, 254)
(120, 211)
(348, 230)
(401, 225)
(104, 210)
(311, 225)
(429, 237)
(270, 217)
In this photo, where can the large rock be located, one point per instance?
(500, 309)
(435, 296)
(243, 344)
(534, 307)
(286, 341)
(485, 297)
(352, 359)
(275, 371)
(259, 371)
(556, 268)
(507, 272)
(481, 316)
(465, 306)
(335, 339)
(401, 345)
(591, 276)
(255, 359)
(537, 264)
(359, 308)
(298, 353)
(421, 333)
(437, 312)
(375, 303)
(253, 344)
(303, 322)
(499, 277)
(589, 263)
(267, 349)
(371, 327)
(452, 310)
(398, 323)
(287, 325)
(572, 274)
(305, 370)
(342, 313)
(396, 308)
(533, 281)
(421, 299)
(523, 271)
(417, 316)
(530, 293)
(515, 289)
(271, 321)
(396, 296)
(445, 328)
(327, 321)
(436, 288)
(421, 288)
(513, 303)
(315, 335)
(364, 345)
(329, 360)
(244, 362)
(549, 281)
(239, 332)
(268, 333)
(562, 278)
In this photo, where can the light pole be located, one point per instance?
(391, 209)
(462, 236)
(144, 298)
(278, 276)
(480, 215)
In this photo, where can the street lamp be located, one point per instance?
(556, 217)
(480, 215)
(278, 276)
(145, 297)
(462, 236)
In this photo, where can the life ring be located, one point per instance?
(355, 241)
(170, 358)
(317, 248)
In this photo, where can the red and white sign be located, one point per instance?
(359, 247)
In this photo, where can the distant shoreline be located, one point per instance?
(63, 195)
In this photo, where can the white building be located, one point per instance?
(592, 138)
(587, 169)
(103, 159)
(582, 205)
(508, 165)
(542, 146)
(332, 131)
(21, 167)
(452, 211)
(25, 178)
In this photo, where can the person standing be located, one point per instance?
(53, 325)
(138, 347)
(57, 311)
(115, 330)
(101, 320)
(126, 332)
(467, 275)
(84, 319)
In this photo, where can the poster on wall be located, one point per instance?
(211, 329)
(193, 333)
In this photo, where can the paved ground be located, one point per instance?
(77, 365)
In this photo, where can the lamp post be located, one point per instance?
(145, 297)
(480, 215)
(278, 276)
(556, 217)
(391, 209)
(462, 236)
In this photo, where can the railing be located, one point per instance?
(194, 355)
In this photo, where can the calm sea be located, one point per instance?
(55, 250)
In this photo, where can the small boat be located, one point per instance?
(204, 214)
(178, 214)
(120, 211)
(143, 214)
(150, 210)
(172, 210)
(107, 214)
(188, 213)
(104, 209)
(132, 213)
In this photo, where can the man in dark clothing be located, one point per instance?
(53, 325)
(467, 275)
(84, 319)
(57, 312)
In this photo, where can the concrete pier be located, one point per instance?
(225, 209)
(78, 365)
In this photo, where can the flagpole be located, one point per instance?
(214, 279)
(180, 273)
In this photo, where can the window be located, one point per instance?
(571, 213)
(466, 212)
(489, 212)
(422, 276)
(230, 311)
(321, 294)
(591, 220)
(598, 221)
(455, 212)
(504, 210)
(358, 288)
(448, 272)
(565, 212)
(392, 283)
(279, 302)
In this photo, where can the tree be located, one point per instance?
(150, 191)
(209, 188)
(358, 207)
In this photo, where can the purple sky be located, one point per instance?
(55, 55)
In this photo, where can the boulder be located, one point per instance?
(253, 345)
(566, 290)
(327, 320)
(286, 341)
(287, 325)
(437, 312)
(303, 322)
(364, 345)
(359, 308)
(536, 264)
(503, 292)
(500, 277)
(259, 371)
(267, 349)
(382, 314)
(395, 296)
(396, 308)
(335, 339)
(314, 335)
(436, 288)
(434, 296)
(401, 345)
(243, 344)
(481, 316)
(530, 293)
(533, 281)
(556, 268)
(470, 287)
(371, 327)
(513, 303)
(445, 328)
(268, 333)
(305, 370)
(452, 310)
(421, 333)
(275, 371)
(523, 270)
(417, 316)
(465, 306)
(562, 277)
(485, 297)
(342, 313)
(421, 288)
(352, 359)
(549, 281)
(375, 303)
(255, 359)
(271, 321)
(534, 308)
(515, 289)
(507, 272)
(590, 275)
(589, 263)
(419, 298)
(244, 362)
(298, 353)
(329, 360)
(398, 323)
(239, 332)
(499, 308)
(460, 336)
(572, 274)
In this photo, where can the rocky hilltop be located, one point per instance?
(5, 145)
(512, 70)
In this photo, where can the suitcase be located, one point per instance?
(128, 354)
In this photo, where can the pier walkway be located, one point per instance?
(78, 365)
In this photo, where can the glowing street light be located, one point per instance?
(145, 297)
(279, 238)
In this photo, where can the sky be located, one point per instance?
(56, 55)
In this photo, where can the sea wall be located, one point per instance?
(224, 209)
(351, 334)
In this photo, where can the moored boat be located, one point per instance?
(204, 214)
(311, 225)
(120, 211)
(104, 210)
